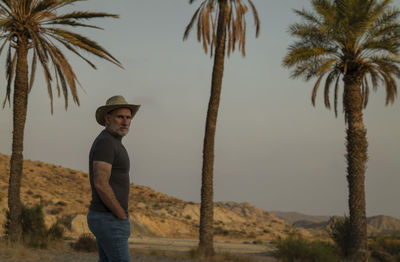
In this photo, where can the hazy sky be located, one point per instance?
(273, 148)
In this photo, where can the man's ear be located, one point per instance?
(107, 118)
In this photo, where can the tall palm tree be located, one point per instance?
(35, 25)
(357, 41)
(217, 20)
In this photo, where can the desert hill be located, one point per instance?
(384, 224)
(376, 224)
(293, 217)
(65, 195)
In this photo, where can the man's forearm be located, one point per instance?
(109, 199)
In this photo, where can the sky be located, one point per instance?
(273, 148)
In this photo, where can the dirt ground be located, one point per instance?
(142, 250)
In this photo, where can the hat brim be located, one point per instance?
(103, 110)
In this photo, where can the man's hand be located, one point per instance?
(101, 178)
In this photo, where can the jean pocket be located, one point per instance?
(120, 226)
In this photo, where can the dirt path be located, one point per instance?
(188, 244)
(142, 250)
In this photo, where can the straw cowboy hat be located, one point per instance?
(112, 104)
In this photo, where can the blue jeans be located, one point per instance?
(111, 236)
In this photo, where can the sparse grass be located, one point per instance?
(17, 251)
(195, 255)
(220, 257)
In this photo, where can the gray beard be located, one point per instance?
(116, 132)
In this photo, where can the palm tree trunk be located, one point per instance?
(20, 102)
(357, 146)
(206, 231)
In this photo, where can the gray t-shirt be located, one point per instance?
(108, 148)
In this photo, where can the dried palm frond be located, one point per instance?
(206, 17)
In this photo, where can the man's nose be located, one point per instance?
(125, 120)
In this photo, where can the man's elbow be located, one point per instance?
(99, 186)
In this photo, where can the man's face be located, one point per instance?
(118, 121)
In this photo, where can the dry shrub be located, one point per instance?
(85, 243)
(385, 248)
(339, 230)
(296, 248)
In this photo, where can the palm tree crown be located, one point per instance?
(206, 16)
(357, 38)
(37, 23)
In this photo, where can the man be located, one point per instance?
(109, 180)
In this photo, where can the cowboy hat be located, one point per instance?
(113, 103)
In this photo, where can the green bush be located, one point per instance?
(85, 243)
(339, 230)
(295, 248)
(32, 219)
(34, 231)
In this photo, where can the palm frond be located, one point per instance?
(77, 15)
(43, 58)
(308, 16)
(70, 23)
(257, 22)
(51, 5)
(191, 23)
(69, 47)
(10, 70)
(365, 93)
(4, 21)
(63, 85)
(44, 5)
(336, 94)
(315, 89)
(33, 71)
(83, 43)
(331, 76)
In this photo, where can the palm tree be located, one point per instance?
(35, 25)
(217, 20)
(357, 41)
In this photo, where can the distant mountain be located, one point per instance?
(310, 225)
(376, 224)
(293, 217)
(384, 224)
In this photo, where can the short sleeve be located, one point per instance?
(104, 151)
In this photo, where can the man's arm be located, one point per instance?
(101, 178)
